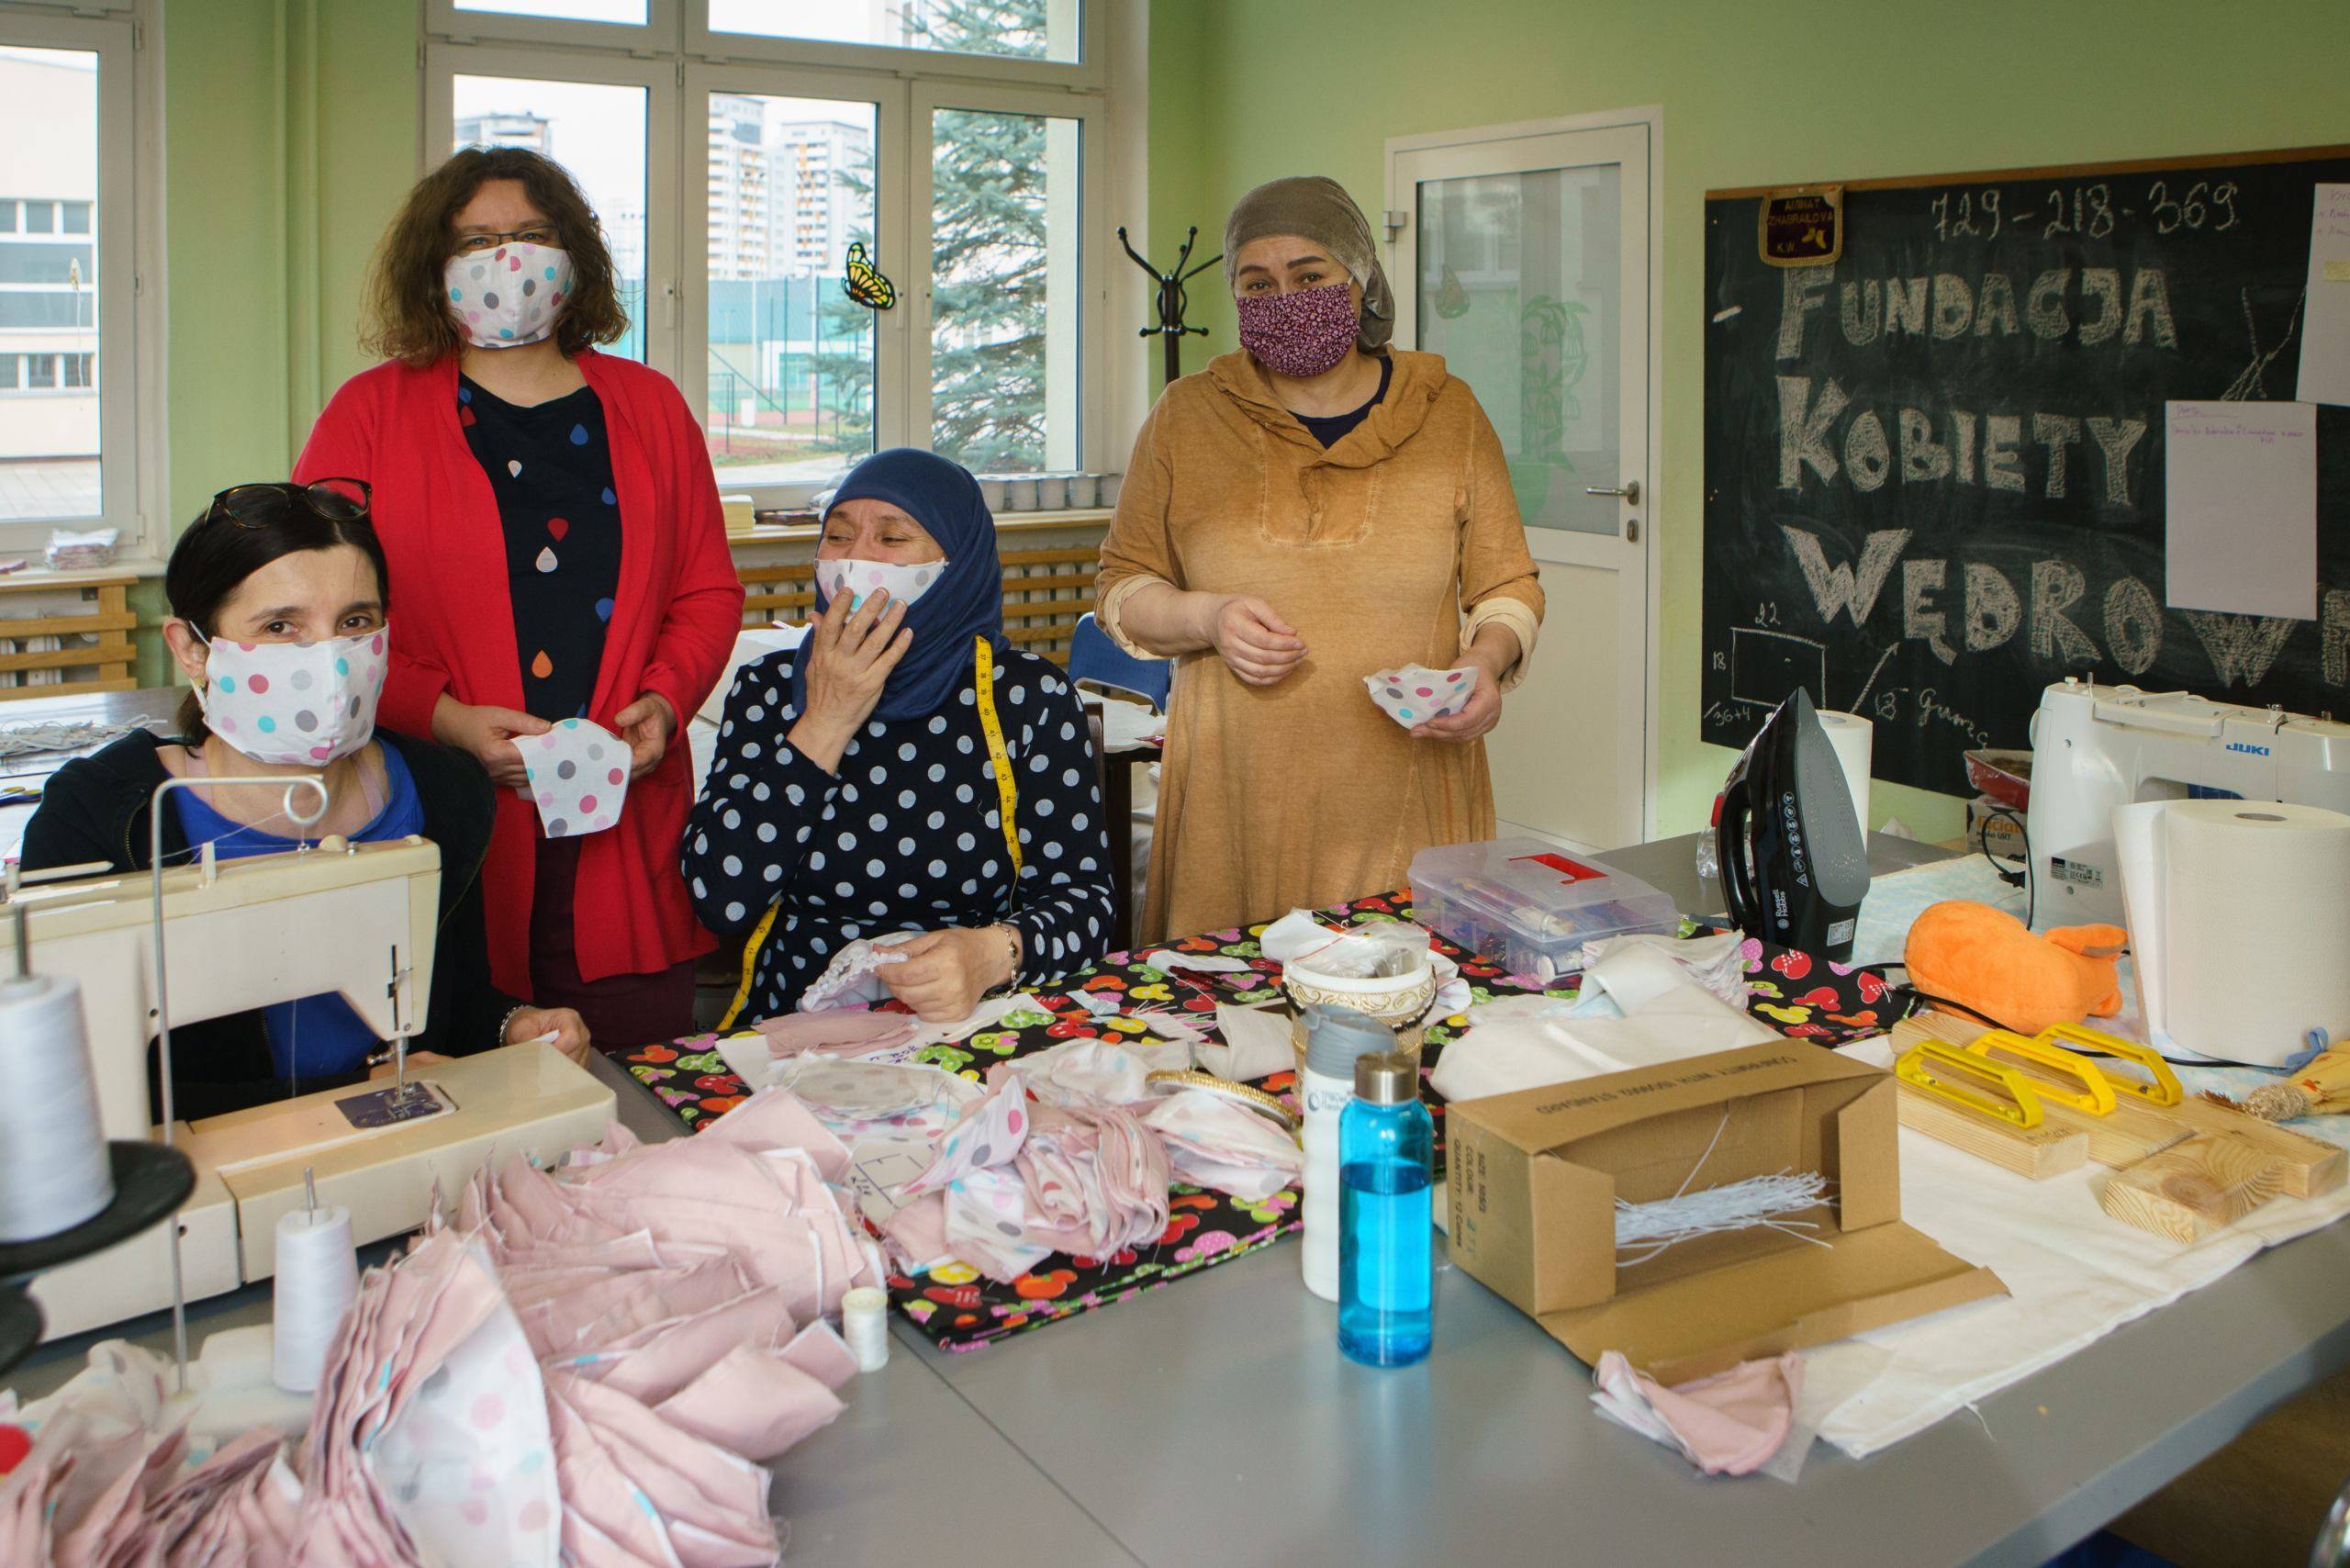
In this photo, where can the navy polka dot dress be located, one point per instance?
(907, 835)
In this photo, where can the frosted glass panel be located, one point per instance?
(1517, 289)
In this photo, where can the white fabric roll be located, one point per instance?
(53, 1167)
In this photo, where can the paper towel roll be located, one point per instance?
(2255, 921)
(1853, 738)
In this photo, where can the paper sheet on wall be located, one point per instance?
(2325, 311)
(2242, 507)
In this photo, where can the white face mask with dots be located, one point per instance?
(857, 579)
(295, 704)
(511, 296)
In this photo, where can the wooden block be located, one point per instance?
(2034, 1153)
(2311, 1166)
(2201, 1186)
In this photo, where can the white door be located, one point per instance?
(1523, 258)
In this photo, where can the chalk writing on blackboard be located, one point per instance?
(1935, 467)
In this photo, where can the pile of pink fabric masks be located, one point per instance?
(103, 1481)
(1070, 1151)
(585, 1366)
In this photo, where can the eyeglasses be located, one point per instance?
(261, 506)
(482, 244)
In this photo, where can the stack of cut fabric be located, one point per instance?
(1072, 1151)
(588, 1366)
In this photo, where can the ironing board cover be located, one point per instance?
(961, 1309)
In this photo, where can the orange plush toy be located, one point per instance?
(1988, 962)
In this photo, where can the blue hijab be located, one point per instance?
(966, 602)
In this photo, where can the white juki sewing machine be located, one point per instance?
(355, 919)
(2095, 747)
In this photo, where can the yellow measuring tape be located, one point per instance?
(1007, 795)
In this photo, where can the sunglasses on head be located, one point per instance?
(261, 506)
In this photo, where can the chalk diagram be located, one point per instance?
(2254, 382)
(1767, 665)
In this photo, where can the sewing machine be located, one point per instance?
(2095, 747)
(356, 919)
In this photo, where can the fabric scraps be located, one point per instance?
(1511, 1054)
(1256, 1045)
(1729, 1424)
(850, 980)
(1211, 1142)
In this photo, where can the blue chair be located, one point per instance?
(1093, 657)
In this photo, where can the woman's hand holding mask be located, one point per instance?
(850, 653)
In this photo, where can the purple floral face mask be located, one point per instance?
(1302, 333)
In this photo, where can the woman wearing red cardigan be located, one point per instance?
(551, 517)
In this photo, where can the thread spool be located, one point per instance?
(53, 1166)
(865, 1325)
(317, 1275)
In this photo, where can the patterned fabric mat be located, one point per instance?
(959, 1309)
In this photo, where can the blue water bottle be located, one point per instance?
(1386, 1241)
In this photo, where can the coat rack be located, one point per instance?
(1171, 300)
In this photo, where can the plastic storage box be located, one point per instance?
(1530, 906)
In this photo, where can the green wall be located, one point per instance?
(1794, 91)
(289, 130)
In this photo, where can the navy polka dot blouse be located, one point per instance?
(908, 834)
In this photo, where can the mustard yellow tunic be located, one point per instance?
(1392, 547)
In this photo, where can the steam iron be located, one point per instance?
(1795, 864)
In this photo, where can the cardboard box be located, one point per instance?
(1999, 832)
(1534, 1178)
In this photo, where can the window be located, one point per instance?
(40, 217)
(1015, 29)
(810, 140)
(1004, 222)
(77, 217)
(629, 13)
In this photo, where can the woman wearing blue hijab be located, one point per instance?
(905, 769)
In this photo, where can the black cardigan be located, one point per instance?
(94, 809)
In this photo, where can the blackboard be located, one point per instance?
(1934, 469)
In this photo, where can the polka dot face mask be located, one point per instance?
(855, 580)
(510, 296)
(295, 704)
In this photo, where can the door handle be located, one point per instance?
(1630, 489)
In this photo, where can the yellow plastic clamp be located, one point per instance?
(2095, 1096)
(2161, 1086)
(1918, 1066)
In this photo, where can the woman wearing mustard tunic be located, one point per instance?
(1298, 515)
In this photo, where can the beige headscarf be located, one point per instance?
(1315, 207)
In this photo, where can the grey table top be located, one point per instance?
(1214, 1422)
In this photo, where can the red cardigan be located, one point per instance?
(674, 622)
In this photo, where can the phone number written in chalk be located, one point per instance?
(2090, 211)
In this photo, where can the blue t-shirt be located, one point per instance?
(324, 1030)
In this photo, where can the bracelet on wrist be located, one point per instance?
(506, 1022)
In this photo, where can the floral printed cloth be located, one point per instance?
(961, 1309)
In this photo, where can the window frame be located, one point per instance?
(908, 85)
(892, 342)
(446, 62)
(1089, 72)
(657, 33)
(127, 230)
(1092, 117)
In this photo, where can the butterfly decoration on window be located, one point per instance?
(864, 283)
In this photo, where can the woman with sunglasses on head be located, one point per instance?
(279, 601)
(554, 521)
